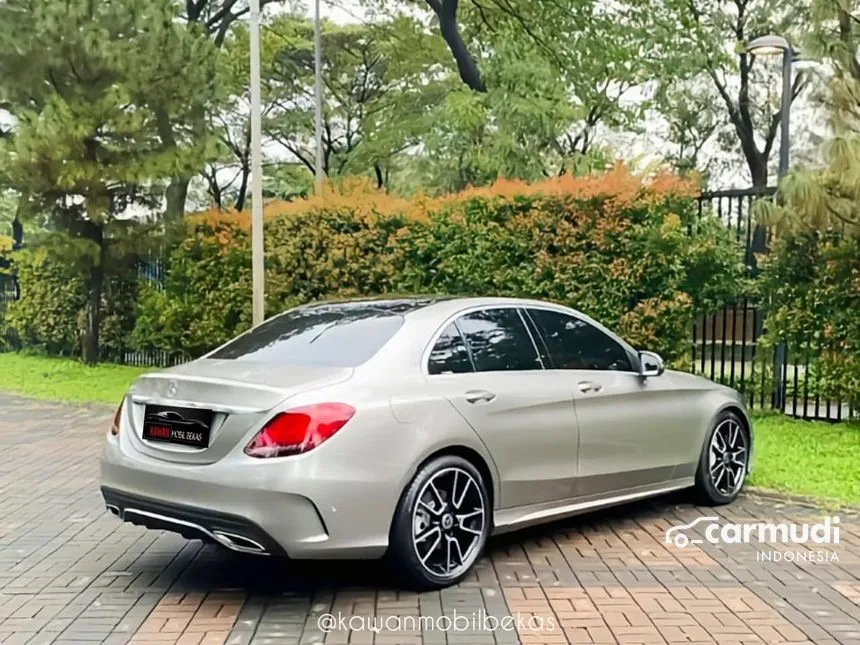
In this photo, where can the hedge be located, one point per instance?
(50, 314)
(812, 280)
(630, 251)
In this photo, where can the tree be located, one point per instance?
(591, 64)
(603, 56)
(215, 18)
(227, 176)
(446, 13)
(828, 196)
(509, 131)
(690, 128)
(744, 89)
(88, 85)
(380, 82)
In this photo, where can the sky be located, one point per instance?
(339, 11)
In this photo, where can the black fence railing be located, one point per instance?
(726, 346)
(8, 290)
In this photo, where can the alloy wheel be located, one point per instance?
(448, 522)
(727, 462)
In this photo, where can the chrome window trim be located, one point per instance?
(526, 305)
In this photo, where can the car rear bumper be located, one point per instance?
(232, 531)
(247, 506)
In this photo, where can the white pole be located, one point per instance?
(318, 98)
(257, 258)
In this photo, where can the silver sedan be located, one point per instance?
(414, 428)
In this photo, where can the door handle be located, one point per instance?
(588, 386)
(476, 396)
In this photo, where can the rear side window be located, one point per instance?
(449, 355)
(325, 336)
(499, 341)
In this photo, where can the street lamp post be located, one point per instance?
(257, 247)
(775, 46)
(318, 99)
(257, 250)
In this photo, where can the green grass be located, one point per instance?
(806, 458)
(59, 379)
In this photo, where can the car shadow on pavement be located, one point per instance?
(216, 568)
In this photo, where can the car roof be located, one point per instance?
(408, 304)
(396, 305)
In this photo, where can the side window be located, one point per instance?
(449, 355)
(573, 344)
(499, 341)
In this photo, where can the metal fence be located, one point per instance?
(151, 271)
(8, 290)
(726, 346)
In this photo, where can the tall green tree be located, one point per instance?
(542, 80)
(510, 130)
(603, 55)
(738, 91)
(227, 176)
(88, 84)
(828, 196)
(216, 18)
(380, 82)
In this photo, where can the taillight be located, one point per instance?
(299, 430)
(114, 429)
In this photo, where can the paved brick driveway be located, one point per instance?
(70, 572)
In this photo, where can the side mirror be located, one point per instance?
(652, 364)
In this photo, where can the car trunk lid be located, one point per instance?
(230, 397)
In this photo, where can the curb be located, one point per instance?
(772, 495)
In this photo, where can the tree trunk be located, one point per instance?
(243, 189)
(758, 240)
(177, 191)
(758, 171)
(176, 196)
(446, 11)
(215, 191)
(95, 284)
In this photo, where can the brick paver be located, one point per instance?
(72, 573)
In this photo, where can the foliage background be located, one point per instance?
(626, 250)
(50, 315)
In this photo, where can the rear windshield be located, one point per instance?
(327, 336)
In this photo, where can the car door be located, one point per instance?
(632, 429)
(485, 362)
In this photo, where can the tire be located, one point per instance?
(717, 481)
(424, 514)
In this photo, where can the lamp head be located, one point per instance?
(768, 46)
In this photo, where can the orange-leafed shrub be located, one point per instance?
(626, 249)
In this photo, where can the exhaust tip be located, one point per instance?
(113, 509)
(239, 543)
